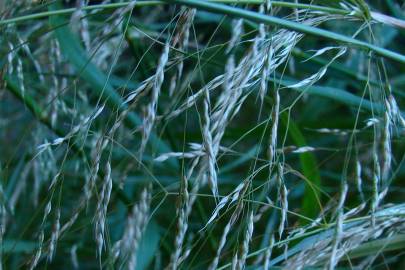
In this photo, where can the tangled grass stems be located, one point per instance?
(294, 190)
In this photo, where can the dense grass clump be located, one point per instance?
(202, 134)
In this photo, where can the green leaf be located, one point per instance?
(149, 246)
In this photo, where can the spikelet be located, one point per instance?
(283, 198)
(376, 182)
(10, 58)
(20, 75)
(359, 180)
(274, 128)
(54, 236)
(387, 153)
(73, 257)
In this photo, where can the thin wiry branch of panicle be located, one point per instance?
(152, 106)
(180, 41)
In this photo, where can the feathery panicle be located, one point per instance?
(214, 263)
(136, 224)
(101, 211)
(91, 180)
(376, 183)
(246, 242)
(152, 106)
(182, 224)
(274, 128)
(283, 198)
(181, 40)
(80, 22)
(54, 236)
(227, 229)
(387, 153)
(237, 31)
(35, 260)
(338, 227)
(269, 249)
(208, 146)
